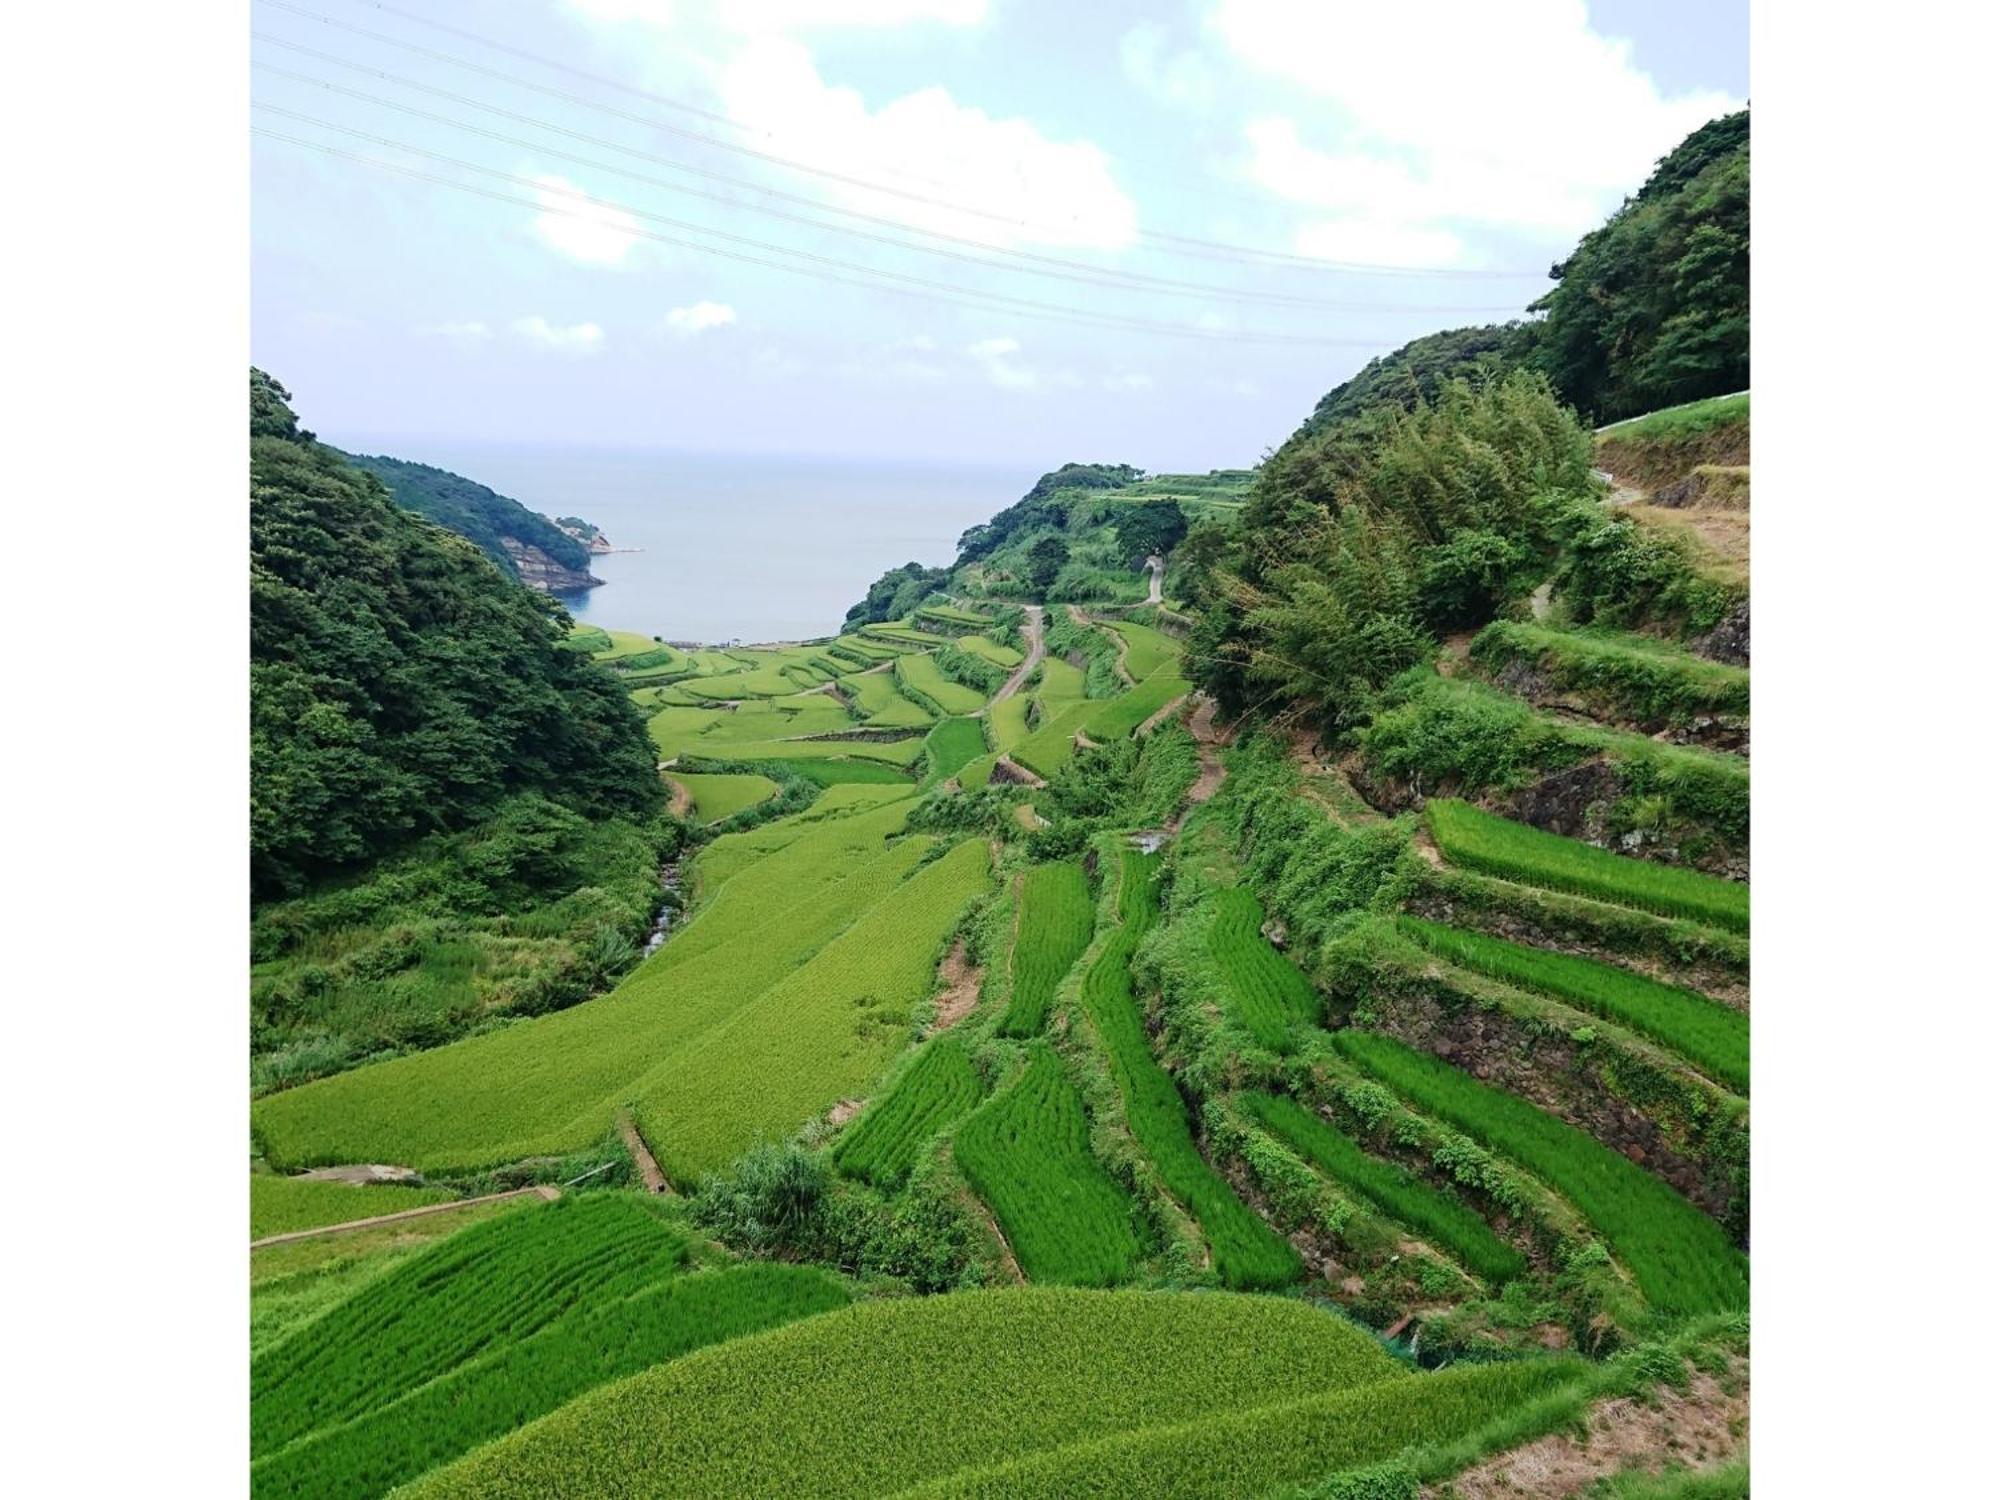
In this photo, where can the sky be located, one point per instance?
(991, 231)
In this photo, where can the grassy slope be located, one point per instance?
(279, 1205)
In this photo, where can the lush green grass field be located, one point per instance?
(1514, 851)
(1009, 718)
(1631, 677)
(280, 1205)
(826, 1030)
(1027, 1153)
(1146, 650)
(934, 1093)
(920, 677)
(466, 1297)
(951, 746)
(1680, 1258)
(719, 797)
(1061, 682)
(1713, 1037)
(554, 1084)
(1056, 918)
(1247, 1252)
(602, 1339)
(879, 703)
(1445, 1221)
(1683, 421)
(1260, 1449)
(1000, 655)
(883, 1396)
(1266, 992)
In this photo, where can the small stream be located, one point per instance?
(670, 885)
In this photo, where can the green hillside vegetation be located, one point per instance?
(281, 1205)
(1627, 678)
(399, 684)
(475, 512)
(885, 1396)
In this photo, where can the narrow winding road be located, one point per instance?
(1157, 566)
(1032, 629)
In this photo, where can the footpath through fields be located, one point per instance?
(545, 1193)
(1032, 629)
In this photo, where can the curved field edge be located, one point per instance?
(887, 1395)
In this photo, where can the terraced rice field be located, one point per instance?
(1264, 990)
(1514, 851)
(933, 1094)
(1247, 1253)
(1027, 1153)
(1146, 650)
(554, 1083)
(714, 798)
(1009, 721)
(951, 746)
(825, 1031)
(880, 704)
(1715, 1038)
(490, 1329)
(885, 1396)
(281, 1205)
(1056, 918)
(1000, 655)
(1680, 1259)
(919, 675)
(1444, 1221)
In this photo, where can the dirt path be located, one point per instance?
(1701, 1427)
(1166, 711)
(642, 1155)
(1157, 566)
(961, 989)
(680, 801)
(1208, 741)
(1032, 629)
(545, 1193)
(1621, 494)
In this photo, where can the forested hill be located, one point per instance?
(526, 545)
(399, 683)
(1650, 310)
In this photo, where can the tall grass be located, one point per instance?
(939, 1089)
(1713, 1037)
(1633, 677)
(1443, 1220)
(1027, 1153)
(1248, 1253)
(1055, 925)
(886, 1395)
(1514, 851)
(1265, 990)
(1678, 1256)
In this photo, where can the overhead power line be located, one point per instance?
(993, 257)
(1172, 243)
(820, 267)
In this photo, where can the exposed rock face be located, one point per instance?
(540, 571)
(1729, 641)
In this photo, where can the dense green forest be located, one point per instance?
(399, 683)
(473, 511)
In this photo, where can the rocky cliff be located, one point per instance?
(538, 570)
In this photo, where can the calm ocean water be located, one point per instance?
(734, 547)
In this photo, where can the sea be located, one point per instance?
(731, 548)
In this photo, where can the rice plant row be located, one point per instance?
(1715, 1038)
(493, 1285)
(1269, 1448)
(1026, 1152)
(885, 1395)
(1248, 1253)
(951, 745)
(1264, 990)
(555, 1083)
(1514, 851)
(824, 1031)
(1445, 1221)
(1056, 919)
(939, 1089)
(510, 1387)
(1678, 1256)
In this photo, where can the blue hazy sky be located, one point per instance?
(1148, 233)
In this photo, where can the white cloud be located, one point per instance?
(572, 338)
(1185, 79)
(927, 146)
(595, 233)
(699, 316)
(1451, 115)
(997, 358)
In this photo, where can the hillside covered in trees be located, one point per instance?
(400, 684)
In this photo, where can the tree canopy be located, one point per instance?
(481, 515)
(399, 683)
